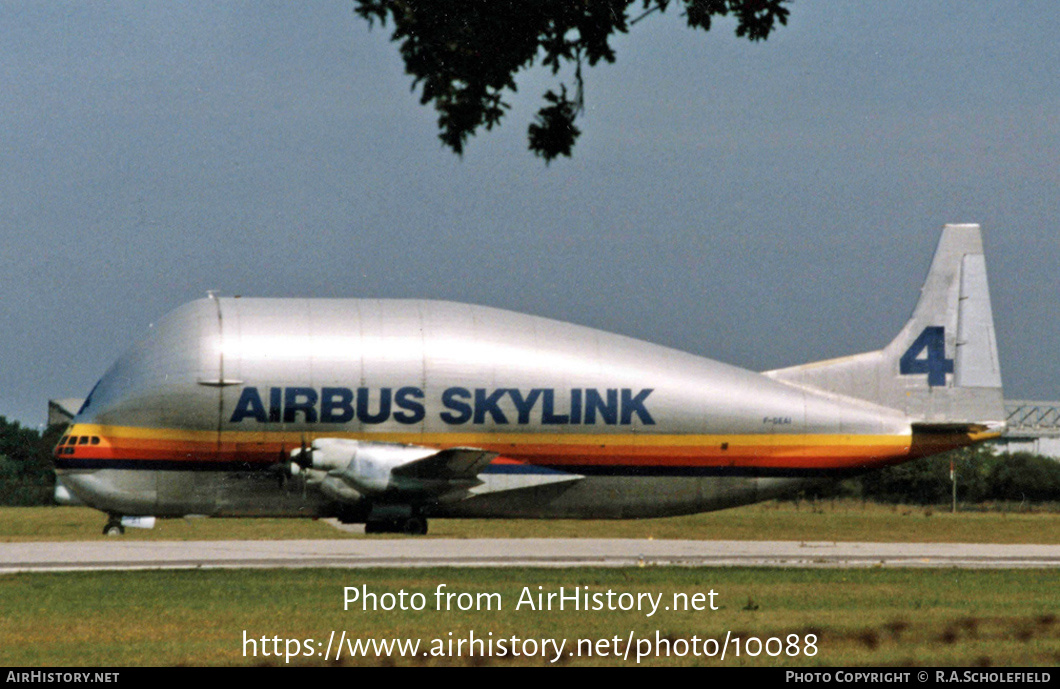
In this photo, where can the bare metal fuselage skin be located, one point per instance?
(201, 416)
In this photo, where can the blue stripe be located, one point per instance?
(503, 469)
(524, 469)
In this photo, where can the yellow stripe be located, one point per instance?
(475, 439)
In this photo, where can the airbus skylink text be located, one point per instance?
(578, 598)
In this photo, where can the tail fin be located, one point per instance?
(942, 368)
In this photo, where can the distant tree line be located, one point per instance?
(27, 475)
(982, 477)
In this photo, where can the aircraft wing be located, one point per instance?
(455, 463)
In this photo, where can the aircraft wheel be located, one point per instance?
(113, 529)
(382, 527)
(415, 526)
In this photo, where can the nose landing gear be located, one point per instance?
(113, 527)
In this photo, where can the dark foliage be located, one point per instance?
(464, 54)
(27, 474)
(1025, 477)
(982, 476)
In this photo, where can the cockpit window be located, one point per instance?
(67, 442)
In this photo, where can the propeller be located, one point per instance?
(300, 461)
(301, 458)
(280, 467)
(294, 463)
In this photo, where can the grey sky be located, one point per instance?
(763, 204)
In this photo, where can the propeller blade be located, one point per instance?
(303, 458)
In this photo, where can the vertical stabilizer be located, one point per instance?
(943, 365)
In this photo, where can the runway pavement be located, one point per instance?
(533, 552)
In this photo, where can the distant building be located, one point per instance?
(1032, 427)
(63, 411)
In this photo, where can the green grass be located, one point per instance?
(85, 524)
(859, 617)
(823, 521)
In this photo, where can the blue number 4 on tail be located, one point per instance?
(935, 364)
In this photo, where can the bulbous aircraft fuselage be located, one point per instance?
(203, 415)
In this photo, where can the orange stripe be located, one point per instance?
(766, 451)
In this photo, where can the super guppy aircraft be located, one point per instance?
(388, 412)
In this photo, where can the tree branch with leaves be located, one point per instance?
(464, 54)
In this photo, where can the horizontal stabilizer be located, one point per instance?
(977, 430)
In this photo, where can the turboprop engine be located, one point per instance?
(375, 469)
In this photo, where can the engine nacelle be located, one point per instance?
(366, 466)
(336, 488)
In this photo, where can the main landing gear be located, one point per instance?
(113, 526)
(413, 526)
